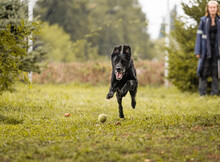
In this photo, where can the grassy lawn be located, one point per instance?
(166, 125)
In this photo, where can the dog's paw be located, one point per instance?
(121, 116)
(109, 95)
(133, 103)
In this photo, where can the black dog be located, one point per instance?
(124, 76)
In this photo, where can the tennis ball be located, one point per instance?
(102, 118)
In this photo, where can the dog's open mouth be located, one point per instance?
(119, 75)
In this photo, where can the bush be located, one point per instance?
(83, 51)
(182, 70)
(62, 49)
(182, 61)
(15, 30)
(149, 73)
(58, 43)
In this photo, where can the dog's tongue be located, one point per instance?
(118, 75)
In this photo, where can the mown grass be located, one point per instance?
(167, 125)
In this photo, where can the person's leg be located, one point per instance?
(203, 79)
(202, 86)
(214, 90)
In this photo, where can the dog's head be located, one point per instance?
(120, 57)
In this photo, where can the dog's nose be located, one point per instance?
(118, 68)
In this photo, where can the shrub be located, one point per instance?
(14, 33)
(93, 72)
(58, 43)
(182, 61)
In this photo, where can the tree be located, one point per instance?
(119, 22)
(173, 14)
(103, 24)
(83, 46)
(63, 49)
(182, 61)
(14, 33)
(71, 15)
(162, 29)
(59, 50)
(71, 18)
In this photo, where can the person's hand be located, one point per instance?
(198, 56)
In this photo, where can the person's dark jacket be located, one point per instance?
(202, 46)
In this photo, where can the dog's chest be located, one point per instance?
(121, 83)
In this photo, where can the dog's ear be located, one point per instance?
(116, 51)
(127, 51)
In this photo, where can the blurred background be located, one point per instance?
(93, 27)
(78, 36)
(88, 30)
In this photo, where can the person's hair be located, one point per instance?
(207, 8)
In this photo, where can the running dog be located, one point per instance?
(124, 77)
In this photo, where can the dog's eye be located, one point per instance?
(123, 62)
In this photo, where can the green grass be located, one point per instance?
(166, 125)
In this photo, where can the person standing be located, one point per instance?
(207, 48)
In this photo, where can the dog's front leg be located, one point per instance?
(119, 99)
(128, 86)
(110, 93)
(112, 88)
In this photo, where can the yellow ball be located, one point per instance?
(102, 118)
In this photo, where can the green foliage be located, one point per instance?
(119, 22)
(9, 58)
(182, 61)
(58, 43)
(159, 48)
(71, 15)
(63, 49)
(162, 29)
(195, 9)
(14, 33)
(167, 125)
(173, 14)
(102, 24)
(83, 51)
